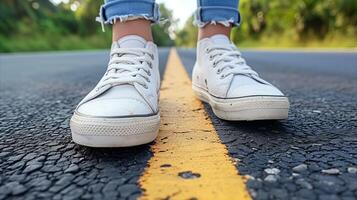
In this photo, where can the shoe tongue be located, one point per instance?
(132, 41)
(220, 39)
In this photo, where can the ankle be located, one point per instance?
(213, 29)
(139, 27)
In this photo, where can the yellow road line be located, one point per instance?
(189, 161)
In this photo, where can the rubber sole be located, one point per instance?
(114, 132)
(246, 108)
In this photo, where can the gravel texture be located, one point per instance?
(321, 131)
(312, 155)
(38, 160)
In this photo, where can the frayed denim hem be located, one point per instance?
(226, 23)
(217, 15)
(152, 14)
(123, 18)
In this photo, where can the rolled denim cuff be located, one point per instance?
(226, 16)
(124, 10)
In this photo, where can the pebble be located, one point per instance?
(304, 184)
(4, 191)
(72, 168)
(127, 190)
(271, 178)
(332, 171)
(189, 175)
(32, 167)
(61, 183)
(51, 169)
(16, 158)
(110, 187)
(54, 157)
(2, 154)
(277, 193)
(17, 177)
(30, 156)
(352, 170)
(74, 194)
(300, 168)
(16, 188)
(273, 171)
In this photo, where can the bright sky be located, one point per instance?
(182, 9)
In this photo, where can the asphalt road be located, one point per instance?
(312, 155)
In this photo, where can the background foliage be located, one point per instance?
(29, 25)
(282, 23)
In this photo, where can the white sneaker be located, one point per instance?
(222, 78)
(122, 110)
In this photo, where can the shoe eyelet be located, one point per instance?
(223, 76)
(149, 64)
(145, 86)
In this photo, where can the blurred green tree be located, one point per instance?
(295, 21)
(41, 25)
(161, 31)
(187, 36)
(45, 26)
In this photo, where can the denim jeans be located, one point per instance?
(209, 11)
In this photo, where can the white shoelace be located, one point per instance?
(128, 66)
(228, 60)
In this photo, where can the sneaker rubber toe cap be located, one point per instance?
(115, 108)
(253, 90)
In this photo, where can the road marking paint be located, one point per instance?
(189, 161)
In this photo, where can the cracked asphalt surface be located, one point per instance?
(312, 155)
(38, 160)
